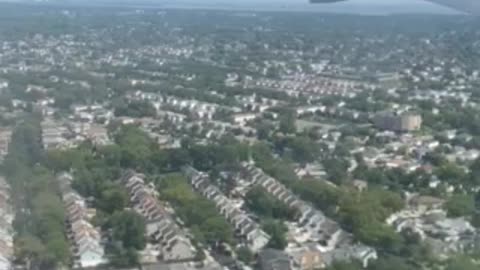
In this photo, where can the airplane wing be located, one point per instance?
(467, 6)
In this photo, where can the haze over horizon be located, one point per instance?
(352, 6)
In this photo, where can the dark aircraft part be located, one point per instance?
(325, 1)
(467, 6)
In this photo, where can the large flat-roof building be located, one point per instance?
(402, 123)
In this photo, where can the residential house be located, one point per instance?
(312, 226)
(6, 230)
(243, 118)
(310, 109)
(173, 243)
(312, 223)
(3, 84)
(87, 248)
(5, 136)
(53, 133)
(358, 252)
(426, 218)
(314, 170)
(424, 203)
(98, 135)
(254, 236)
(271, 259)
(360, 185)
(306, 257)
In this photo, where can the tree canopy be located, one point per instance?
(128, 228)
(266, 206)
(135, 109)
(197, 212)
(40, 220)
(460, 205)
(278, 233)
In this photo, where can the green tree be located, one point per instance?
(322, 195)
(30, 248)
(435, 158)
(476, 220)
(265, 205)
(463, 263)
(336, 169)
(460, 205)
(121, 256)
(277, 231)
(215, 229)
(451, 173)
(26, 146)
(287, 123)
(264, 130)
(197, 212)
(136, 109)
(391, 262)
(364, 214)
(245, 255)
(136, 147)
(58, 247)
(113, 199)
(40, 224)
(304, 150)
(128, 228)
(337, 265)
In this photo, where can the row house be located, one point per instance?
(95, 133)
(430, 222)
(195, 107)
(308, 257)
(318, 86)
(173, 244)
(173, 117)
(90, 113)
(354, 252)
(53, 134)
(86, 239)
(6, 230)
(3, 84)
(317, 227)
(158, 100)
(5, 136)
(243, 118)
(312, 225)
(255, 237)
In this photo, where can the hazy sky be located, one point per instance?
(366, 2)
(394, 3)
(351, 6)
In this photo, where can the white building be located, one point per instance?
(242, 119)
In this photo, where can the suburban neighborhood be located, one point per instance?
(217, 139)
